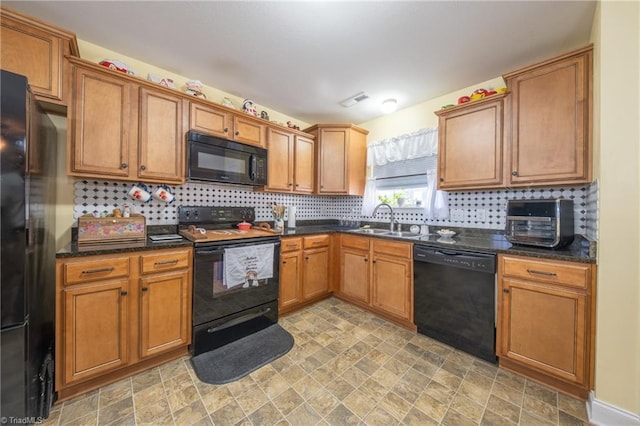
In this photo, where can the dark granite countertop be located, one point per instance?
(581, 250)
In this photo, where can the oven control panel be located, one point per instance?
(214, 215)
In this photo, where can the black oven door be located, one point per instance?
(214, 299)
(226, 161)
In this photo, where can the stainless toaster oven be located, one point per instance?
(542, 223)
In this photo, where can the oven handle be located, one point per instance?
(238, 320)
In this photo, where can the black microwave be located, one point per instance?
(543, 223)
(213, 159)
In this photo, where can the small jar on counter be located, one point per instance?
(126, 212)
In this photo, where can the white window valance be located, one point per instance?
(421, 143)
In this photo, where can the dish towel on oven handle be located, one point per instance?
(246, 265)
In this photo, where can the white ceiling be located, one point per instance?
(303, 58)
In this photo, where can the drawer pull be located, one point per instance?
(292, 245)
(315, 243)
(166, 262)
(123, 293)
(545, 273)
(97, 271)
(145, 288)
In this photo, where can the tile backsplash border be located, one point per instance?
(103, 195)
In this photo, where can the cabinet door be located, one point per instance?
(550, 121)
(470, 146)
(165, 316)
(304, 164)
(544, 327)
(209, 120)
(95, 329)
(249, 131)
(391, 286)
(280, 160)
(315, 273)
(332, 160)
(101, 123)
(290, 279)
(354, 274)
(34, 53)
(162, 137)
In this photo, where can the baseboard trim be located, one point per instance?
(603, 414)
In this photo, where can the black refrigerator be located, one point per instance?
(27, 252)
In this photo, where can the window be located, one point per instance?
(403, 174)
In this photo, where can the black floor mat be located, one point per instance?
(237, 359)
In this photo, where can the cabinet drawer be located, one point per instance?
(361, 243)
(291, 244)
(95, 269)
(571, 274)
(392, 248)
(159, 262)
(316, 241)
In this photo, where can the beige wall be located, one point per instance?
(617, 42)
(421, 115)
(96, 54)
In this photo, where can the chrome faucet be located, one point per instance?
(375, 211)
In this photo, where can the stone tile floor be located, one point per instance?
(347, 367)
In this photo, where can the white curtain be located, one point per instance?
(421, 143)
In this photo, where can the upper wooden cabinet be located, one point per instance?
(161, 136)
(290, 162)
(249, 130)
(36, 50)
(119, 129)
(549, 121)
(470, 145)
(210, 120)
(341, 156)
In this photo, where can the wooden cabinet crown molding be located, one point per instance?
(36, 23)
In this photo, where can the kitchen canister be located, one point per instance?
(291, 223)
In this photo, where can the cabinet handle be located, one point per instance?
(237, 133)
(545, 273)
(306, 258)
(289, 184)
(292, 245)
(145, 288)
(124, 165)
(123, 293)
(226, 129)
(96, 271)
(297, 184)
(284, 262)
(505, 290)
(373, 261)
(143, 167)
(321, 186)
(366, 260)
(514, 173)
(441, 179)
(166, 262)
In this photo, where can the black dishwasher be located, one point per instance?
(454, 298)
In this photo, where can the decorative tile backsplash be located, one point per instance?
(473, 209)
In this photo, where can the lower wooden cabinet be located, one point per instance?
(304, 271)
(377, 274)
(546, 321)
(120, 314)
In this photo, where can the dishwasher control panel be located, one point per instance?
(476, 261)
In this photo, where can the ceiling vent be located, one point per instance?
(349, 102)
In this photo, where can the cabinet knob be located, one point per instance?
(514, 173)
(237, 133)
(373, 261)
(288, 184)
(441, 179)
(366, 260)
(145, 288)
(226, 129)
(297, 184)
(143, 167)
(505, 290)
(123, 293)
(284, 262)
(306, 258)
(124, 165)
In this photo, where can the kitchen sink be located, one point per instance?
(403, 234)
(371, 231)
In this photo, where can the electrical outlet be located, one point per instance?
(481, 215)
(456, 215)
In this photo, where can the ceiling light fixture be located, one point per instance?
(389, 105)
